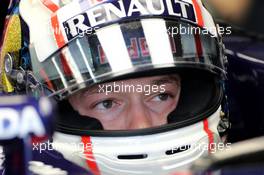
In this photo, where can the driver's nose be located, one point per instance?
(139, 116)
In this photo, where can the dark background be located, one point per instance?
(3, 11)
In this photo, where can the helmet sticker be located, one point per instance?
(116, 11)
(137, 49)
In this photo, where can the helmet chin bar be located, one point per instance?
(160, 153)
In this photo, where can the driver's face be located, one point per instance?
(124, 109)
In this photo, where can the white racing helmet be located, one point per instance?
(75, 45)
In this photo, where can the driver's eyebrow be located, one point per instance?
(91, 90)
(96, 89)
(166, 80)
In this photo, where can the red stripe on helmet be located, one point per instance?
(57, 32)
(96, 1)
(46, 78)
(50, 5)
(88, 152)
(65, 65)
(209, 134)
(198, 12)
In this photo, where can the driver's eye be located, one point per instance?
(106, 104)
(163, 97)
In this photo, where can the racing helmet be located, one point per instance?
(73, 45)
